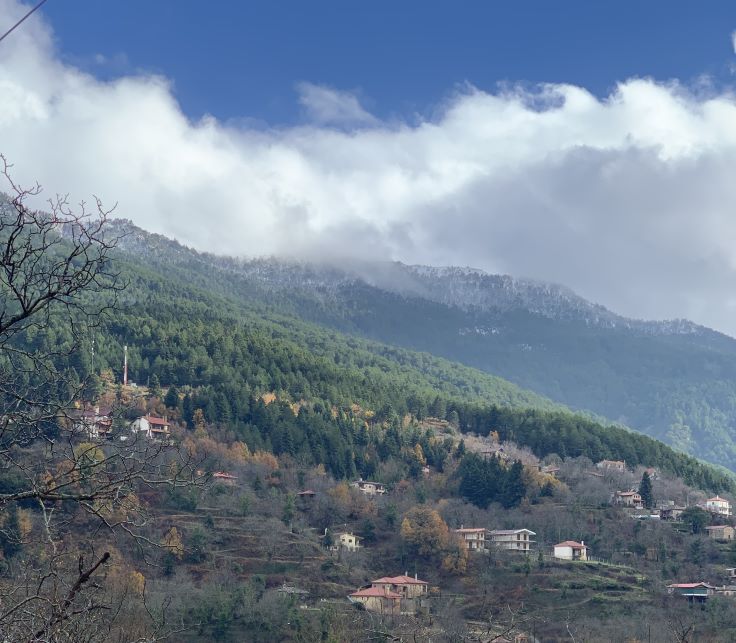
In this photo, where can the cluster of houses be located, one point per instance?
(517, 540)
(96, 423)
(669, 510)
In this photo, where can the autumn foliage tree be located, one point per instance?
(424, 532)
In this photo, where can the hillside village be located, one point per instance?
(619, 535)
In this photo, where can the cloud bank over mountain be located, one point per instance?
(630, 199)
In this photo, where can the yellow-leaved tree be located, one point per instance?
(424, 531)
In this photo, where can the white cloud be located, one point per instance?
(630, 200)
(328, 106)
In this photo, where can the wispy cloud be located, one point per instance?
(328, 106)
(630, 199)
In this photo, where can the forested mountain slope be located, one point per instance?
(675, 381)
(228, 353)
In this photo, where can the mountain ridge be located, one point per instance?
(673, 380)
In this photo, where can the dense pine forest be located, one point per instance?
(670, 380)
(228, 355)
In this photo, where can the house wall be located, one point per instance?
(380, 604)
(407, 591)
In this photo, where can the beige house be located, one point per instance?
(473, 537)
(718, 505)
(512, 539)
(571, 550)
(721, 532)
(346, 541)
(671, 512)
(405, 586)
(369, 488)
(377, 599)
(628, 499)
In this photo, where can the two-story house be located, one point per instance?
(151, 426)
(718, 505)
(368, 487)
(629, 498)
(473, 537)
(511, 539)
(95, 422)
(347, 541)
(405, 586)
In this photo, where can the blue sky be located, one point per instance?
(243, 59)
(417, 132)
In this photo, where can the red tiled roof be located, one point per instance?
(381, 592)
(155, 420)
(307, 492)
(717, 499)
(571, 543)
(689, 585)
(225, 475)
(401, 580)
(469, 530)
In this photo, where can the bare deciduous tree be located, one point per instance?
(65, 498)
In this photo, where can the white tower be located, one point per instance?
(125, 366)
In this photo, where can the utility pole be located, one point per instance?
(125, 366)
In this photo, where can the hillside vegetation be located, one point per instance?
(674, 381)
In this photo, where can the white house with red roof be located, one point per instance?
(151, 426)
(571, 550)
(718, 505)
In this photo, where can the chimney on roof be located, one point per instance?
(406, 573)
(415, 576)
(461, 525)
(582, 542)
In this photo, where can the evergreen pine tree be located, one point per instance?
(154, 386)
(645, 491)
(514, 487)
(172, 398)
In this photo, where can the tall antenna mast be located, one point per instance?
(125, 366)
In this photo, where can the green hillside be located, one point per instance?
(673, 381)
(230, 353)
